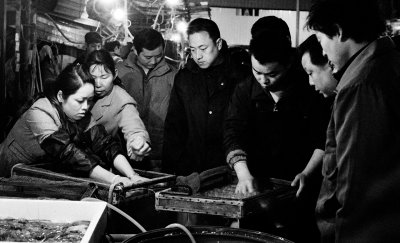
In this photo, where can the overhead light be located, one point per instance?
(172, 3)
(181, 27)
(176, 38)
(119, 14)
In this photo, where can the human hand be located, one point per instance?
(136, 178)
(121, 179)
(138, 149)
(299, 180)
(246, 185)
(246, 182)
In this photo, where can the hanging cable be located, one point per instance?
(122, 213)
(158, 14)
(62, 33)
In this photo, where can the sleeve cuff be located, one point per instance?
(235, 156)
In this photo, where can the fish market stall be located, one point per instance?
(222, 200)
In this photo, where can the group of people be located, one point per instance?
(261, 117)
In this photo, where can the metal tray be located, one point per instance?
(113, 194)
(225, 204)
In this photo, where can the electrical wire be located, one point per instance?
(58, 28)
(158, 14)
(122, 213)
(175, 225)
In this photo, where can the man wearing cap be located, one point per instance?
(93, 42)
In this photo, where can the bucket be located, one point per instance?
(205, 234)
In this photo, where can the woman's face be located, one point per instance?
(77, 104)
(103, 80)
(319, 76)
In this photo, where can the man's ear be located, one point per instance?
(340, 34)
(60, 96)
(116, 73)
(219, 43)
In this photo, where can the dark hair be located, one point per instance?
(270, 46)
(271, 23)
(148, 38)
(103, 57)
(359, 20)
(72, 78)
(314, 49)
(207, 25)
(110, 46)
(93, 37)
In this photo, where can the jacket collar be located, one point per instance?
(159, 70)
(356, 68)
(221, 61)
(105, 101)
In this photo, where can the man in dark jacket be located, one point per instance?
(359, 198)
(276, 123)
(199, 99)
(93, 42)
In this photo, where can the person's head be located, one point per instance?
(271, 23)
(93, 41)
(317, 66)
(339, 24)
(149, 46)
(271, 59)
(102, 68)
(72, 91)
(204, 41)
(113, 46)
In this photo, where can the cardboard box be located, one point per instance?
(60, 211)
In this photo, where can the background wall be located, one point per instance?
(235, 29)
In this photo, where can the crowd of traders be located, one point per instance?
(262, 115)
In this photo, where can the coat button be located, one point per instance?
(210, 112)
(222, 84)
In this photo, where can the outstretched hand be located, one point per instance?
(300, 181)
(246, 185)
(124, 180)
(138, 149)
(137, 179)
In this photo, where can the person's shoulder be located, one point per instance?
(121, 95)
(172, 68)
(123, 65)
(42, 108)
(126, 64)
(247, 81)
(42, 104)
(183, 75)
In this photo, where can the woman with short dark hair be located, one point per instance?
(114, 108)
(53, 131)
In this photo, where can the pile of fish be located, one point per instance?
(23, 230)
